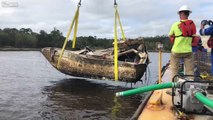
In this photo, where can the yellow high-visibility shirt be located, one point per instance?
(181, 44)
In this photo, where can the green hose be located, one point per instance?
(146, 89)
(206, 101)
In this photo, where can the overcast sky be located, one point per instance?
(138, 17)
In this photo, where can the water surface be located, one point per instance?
(30, 88)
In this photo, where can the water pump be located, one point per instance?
(184, 98)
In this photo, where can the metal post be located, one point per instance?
(160, 48)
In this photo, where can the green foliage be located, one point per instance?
(93, 42)
(23, 40)
(151, 42)
(54, 39)
(26, 38)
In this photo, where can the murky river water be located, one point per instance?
(31, 89)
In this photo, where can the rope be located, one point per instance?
(148, 77)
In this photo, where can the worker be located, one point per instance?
(206, 28)
(181, 34)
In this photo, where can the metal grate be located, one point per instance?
(203, 62)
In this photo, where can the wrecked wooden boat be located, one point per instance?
(132, 61)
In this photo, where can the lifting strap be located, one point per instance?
(117, 17)
(74, 21)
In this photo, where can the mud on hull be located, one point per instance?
(75, 64)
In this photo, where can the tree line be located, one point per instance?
(26, 38)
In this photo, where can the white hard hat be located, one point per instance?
(185, 8)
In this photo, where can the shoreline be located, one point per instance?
(20, 49)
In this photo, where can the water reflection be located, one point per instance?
(83, 99)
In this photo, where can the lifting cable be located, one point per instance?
(117, 18)
(74, 21)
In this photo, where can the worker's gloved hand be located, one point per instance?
(203, 23)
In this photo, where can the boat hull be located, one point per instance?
(76, 64)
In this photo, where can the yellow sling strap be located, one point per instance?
(75, 29)
(115, 48)
(74, 21)
(117, 17)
